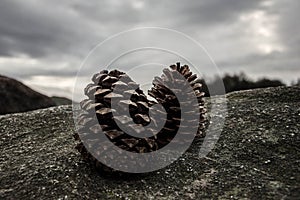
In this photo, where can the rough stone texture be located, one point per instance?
(256, 157)
(17, 97)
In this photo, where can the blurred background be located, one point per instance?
(254, 43)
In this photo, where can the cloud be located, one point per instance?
(44, 28)
(279, 44)
(51, 38)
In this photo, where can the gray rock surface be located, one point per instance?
(256, 157)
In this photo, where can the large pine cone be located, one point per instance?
(117, 88)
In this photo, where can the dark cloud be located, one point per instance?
(288, 24)
(209, 13)
(40, 28)
(174, 12)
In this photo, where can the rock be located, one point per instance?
(16, 97)
(256, 157)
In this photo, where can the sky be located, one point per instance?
(45, 43)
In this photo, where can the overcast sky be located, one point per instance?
(43, 43)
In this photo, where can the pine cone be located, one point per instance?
(146, 117)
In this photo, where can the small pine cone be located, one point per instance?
(116, 86)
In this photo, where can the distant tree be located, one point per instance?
(238, 82)
(262, 83)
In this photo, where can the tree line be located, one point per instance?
(237, 82)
